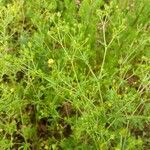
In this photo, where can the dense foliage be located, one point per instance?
(74, 74)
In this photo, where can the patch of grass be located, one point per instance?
(74, 74)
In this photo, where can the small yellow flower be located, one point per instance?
(1, 130)
(46, 147)
(109, 105)
(50, 62)
(12, 90)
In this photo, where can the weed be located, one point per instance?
(74, 74)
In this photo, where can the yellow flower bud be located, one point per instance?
(50, 62)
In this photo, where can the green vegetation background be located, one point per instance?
(74, 74)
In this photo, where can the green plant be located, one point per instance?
(74, 75)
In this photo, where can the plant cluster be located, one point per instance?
(74, 74)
